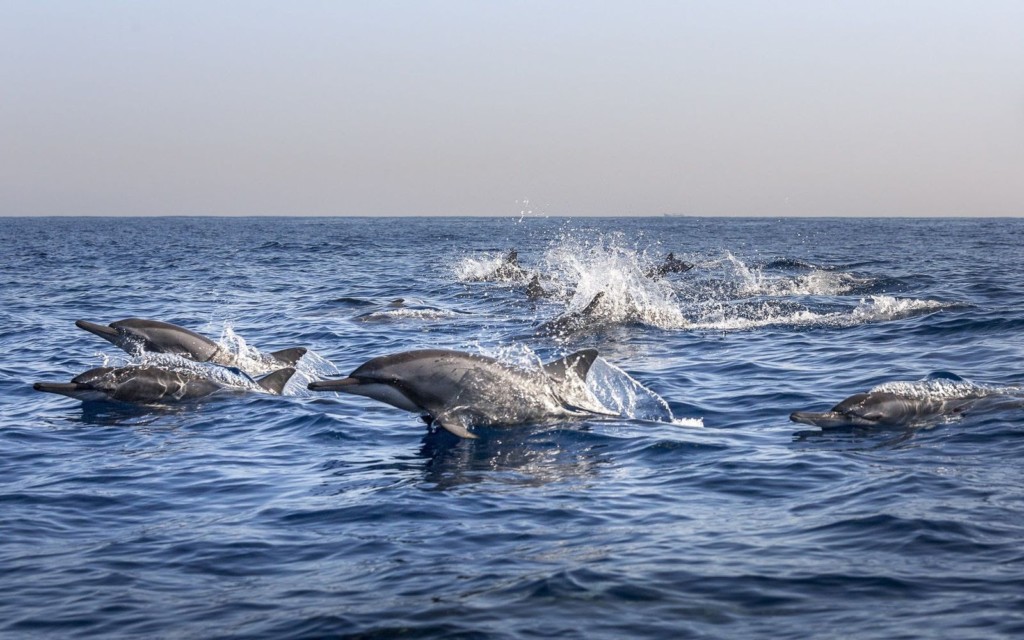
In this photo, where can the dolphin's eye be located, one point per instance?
(874, 417)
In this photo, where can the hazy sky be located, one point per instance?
(451, 108)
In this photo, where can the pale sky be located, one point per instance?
(873, 108)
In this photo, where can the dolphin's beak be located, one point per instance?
(60, 387)
(103, 331)
(333, 385)
(824, 420)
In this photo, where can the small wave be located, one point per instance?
(789, 263)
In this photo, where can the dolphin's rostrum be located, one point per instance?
(459, 390)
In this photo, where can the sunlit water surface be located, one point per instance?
(701, 511)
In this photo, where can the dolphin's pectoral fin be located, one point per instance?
(578, 363)
(289, 356)
(275, 382)
(455, 423)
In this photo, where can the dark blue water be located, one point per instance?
(316, 515)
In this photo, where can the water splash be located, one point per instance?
(487, 267)
(748, 280)
(610, 389)
(580, 269)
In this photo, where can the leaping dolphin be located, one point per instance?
(146, 384)
(136, 335)
(458, 390)
(884, 408)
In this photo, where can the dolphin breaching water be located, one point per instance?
(884, 408)
(137, 335)
(147, 384)
(458, 390)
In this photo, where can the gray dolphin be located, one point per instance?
(575, 320)
(136, 335)
(146, 384)
(671, 264)
(883, 408)
(458, 390)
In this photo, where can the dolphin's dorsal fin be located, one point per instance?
(274, 382)
(578, 363)
(455, 423)
(289, 356)
(592, 305)
(534, 289)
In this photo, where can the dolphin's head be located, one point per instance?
(862, 410)
(94, 384)
(130, 334)
(104, 331)
(389, 379)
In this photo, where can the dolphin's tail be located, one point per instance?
(289, 356)
(275, 382)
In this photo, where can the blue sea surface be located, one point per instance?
(700, 511)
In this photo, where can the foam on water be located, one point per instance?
(875, 309)
(943, 388)
(400, 314)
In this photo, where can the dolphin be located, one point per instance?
(136, 335)
(672, 264)
(535, 290)
(458, 390)
(884, 408)
(147, 384)
(573, 321)
(508, 270)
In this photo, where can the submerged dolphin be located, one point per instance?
(458, 390)
(884, 408)
(135, 335)
(145, 384)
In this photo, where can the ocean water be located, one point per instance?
(699, 510)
